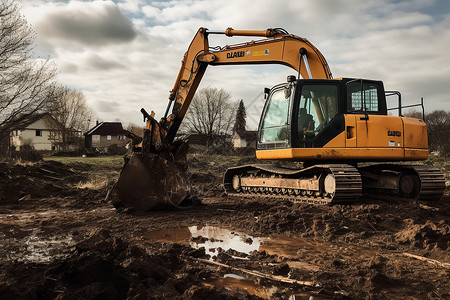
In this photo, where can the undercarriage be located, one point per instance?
(335, 183)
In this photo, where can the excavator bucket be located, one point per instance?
(151, 181)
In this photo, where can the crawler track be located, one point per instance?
(320, 184)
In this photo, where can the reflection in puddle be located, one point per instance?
(209, 237)
(212, 237)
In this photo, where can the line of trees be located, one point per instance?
(438, 127)
(28, 86)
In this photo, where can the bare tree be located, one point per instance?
(412, 113)
(136, 129)
(26, 84)
(72, 115)
(211, 113)
(438, 125)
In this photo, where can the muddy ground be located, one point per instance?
(61, 239)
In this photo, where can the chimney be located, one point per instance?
(97, 122)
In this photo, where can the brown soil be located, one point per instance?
(60, 241)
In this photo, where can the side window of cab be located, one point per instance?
(362, 97)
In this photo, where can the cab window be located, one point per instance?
(317, 107)
(275, 124)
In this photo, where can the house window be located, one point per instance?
(38, 132)
(108, 137)
(120, 137)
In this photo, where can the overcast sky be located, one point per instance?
(125, 54)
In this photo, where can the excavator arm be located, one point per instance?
(279, 47)
(155, 176)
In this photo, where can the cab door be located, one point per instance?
(317, 120)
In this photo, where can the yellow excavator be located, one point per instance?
(339, 128)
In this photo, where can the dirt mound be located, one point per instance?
(42, 179)
(429, 235)
(20, 183)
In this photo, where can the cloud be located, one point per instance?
(97, 23)
(151, 11)
(98, 63)
(133, 6)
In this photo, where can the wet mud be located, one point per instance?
(60, 240)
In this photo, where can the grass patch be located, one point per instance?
(98, 171)
(98, 183)
(441, 162)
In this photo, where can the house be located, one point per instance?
(244, 138)
(105, 134)
(42, 132)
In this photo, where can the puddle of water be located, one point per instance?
(210, 237)
(42, 250)
(236, 282)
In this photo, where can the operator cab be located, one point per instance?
(308, 113)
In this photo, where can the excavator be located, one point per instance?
(339, 129)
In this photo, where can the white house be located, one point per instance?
(242, 139)
(41, 133)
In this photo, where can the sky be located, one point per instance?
(124, 55)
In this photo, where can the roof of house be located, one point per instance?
(247, 134)
(31, 119)
(106, 128)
